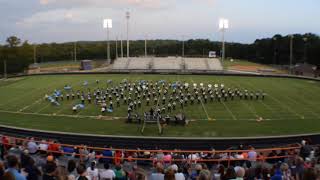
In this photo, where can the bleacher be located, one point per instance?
(214, 64)
(120, 63)
(139, 63)
(168, 63)
(196, 64)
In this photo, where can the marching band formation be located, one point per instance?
(161, 96)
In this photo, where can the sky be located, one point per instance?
(40, 21)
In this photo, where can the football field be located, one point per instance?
(291, 106)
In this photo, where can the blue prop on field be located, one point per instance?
(67, 88)
(174, 85)
(52, 100)
(57, 93)
(79, 106)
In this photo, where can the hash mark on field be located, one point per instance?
(230, 112)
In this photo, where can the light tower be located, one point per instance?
(35, 54)
(121, 44)
(107, 24)
(128, 44)
(145, 47)
(75, 51)
(291, 53)
(223, 26)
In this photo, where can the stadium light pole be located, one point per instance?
(5, 69)
(117, 47)
(35, 54)
(305, 40)
(145, 47)
(75, 51)
(291, 53)
(274, 50)
(128, 43)
(182, 46)
(121, 44)
(223, 26)
(107, 24)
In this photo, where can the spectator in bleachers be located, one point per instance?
(33, 172)
(32, 146)
(179, 175)
(169, 175)
(43, 147)
(1, 169)
(72, 172)
(205, 172)
(107, 173)
(252, 154)
(197, 171)
(240, 172)
(230, 174)
(81, 170)
(120, 173)
(92, 171)
(50, 171)
(159, 174)
(309, 173)
(107, 153)
(167, 159)
(62, 173)
(24, 158)
(305, 149)
(54, 147)
(13, 167)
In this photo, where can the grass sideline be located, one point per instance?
(291, 107)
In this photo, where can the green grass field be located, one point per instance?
(292, 106)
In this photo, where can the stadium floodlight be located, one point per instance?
(107, 24)
(223, 26)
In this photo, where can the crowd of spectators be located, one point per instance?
(48, 160)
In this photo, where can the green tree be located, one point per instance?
(13, 41)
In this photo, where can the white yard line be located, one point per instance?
(279, 102)
(43, 108)
(254, 112)
(203, 107)
(36, 102)
(230, 112)
(287, 107)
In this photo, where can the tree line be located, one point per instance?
(19, 54)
